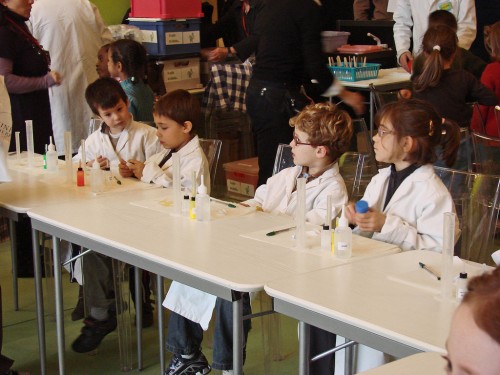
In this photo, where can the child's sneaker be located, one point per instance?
(198, 365)
(92, 333)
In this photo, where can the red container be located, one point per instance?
(166, 9)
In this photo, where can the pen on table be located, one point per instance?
(229, 204)
(432, 272)
(117, 180)
(274, 232)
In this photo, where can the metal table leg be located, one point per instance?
(138, 314)
(39, 302)
(238, 336)
(304, 338)
(13, 254)
(161, 334)
(59, 304)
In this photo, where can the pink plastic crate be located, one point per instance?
(166, 9)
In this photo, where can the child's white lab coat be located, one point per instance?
(414, 215)
(192, 159)
(278, 195)
(137, 141)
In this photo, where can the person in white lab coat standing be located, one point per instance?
(72, 31)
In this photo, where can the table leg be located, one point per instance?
(304, 338)
(59, 303)
(348, 360)
(161, 333)
(371, 112)
(138, 314)
(39, 302)
(13, 254)
(238, 336)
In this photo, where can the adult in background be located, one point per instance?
(375, 10)
(73, 31)
(288, 55)
(410, 18)
(24, 63)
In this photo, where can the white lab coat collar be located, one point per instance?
(188, 148)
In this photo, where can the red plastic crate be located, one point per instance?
(165, 9)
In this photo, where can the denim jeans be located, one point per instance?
(184, 337)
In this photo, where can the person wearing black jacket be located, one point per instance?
(288, 55)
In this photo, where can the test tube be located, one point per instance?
(300, 213)
(18, 146)
(329, 211)
(29, 142)
(176, 164)
(68, 150)
(447, 256)
(84, 155)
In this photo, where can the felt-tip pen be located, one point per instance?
(274, 232)
(432, 272)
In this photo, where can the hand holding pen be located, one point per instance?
(124, 170)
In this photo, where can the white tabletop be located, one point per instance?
(214, 251)
(392, 76)
(417, 364)
(388, 303)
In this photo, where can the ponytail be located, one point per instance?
(450, 141)
(431, 72)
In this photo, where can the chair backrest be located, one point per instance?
(477, 201)
(283, 159)
(362, 143)
(486, 153)
(211, 148)
(381, 97)
(352, 169)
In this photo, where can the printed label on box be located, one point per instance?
(173, 75)
(234, 186)
(190, 37)
(191, 72)
(149, 36)
(173, 38)
(247, 189)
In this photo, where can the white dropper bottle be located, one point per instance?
(51, 157)
(202, 202)
(343, 238)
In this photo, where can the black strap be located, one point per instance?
(165, 159)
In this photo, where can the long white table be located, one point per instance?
(211, 256)
(33, 187)
(388, 303)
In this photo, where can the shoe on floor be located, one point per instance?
(198, 365)
(92, 334)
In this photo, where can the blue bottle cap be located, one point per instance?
(361, 207)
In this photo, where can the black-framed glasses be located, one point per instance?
(298, 142)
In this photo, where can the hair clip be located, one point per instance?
(436, 48)
(431, 128)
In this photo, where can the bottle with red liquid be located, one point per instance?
(80, 175)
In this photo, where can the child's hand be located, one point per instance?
(103, 162)
(124, 170)
(350, 213)
(372, 221)
(136, 167)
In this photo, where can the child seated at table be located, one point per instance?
(119, 137)
(176, 116)
(322, 134)
(407, 200)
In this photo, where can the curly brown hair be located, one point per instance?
(492, 40)
(326, 125)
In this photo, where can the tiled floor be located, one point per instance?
(21, 341)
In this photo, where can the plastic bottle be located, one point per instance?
(461, 286)
(343, 238)
(361, 207)
(51, 157)
(80, 175)
(202, 202)
(108, 176)
(192, 207)
(326, 238)
(96, 177)
(185, 205)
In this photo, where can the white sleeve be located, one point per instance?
(317, 214)
(259, 197)
(106, 36)
(402, 27)
(466, 19)
(153, 173)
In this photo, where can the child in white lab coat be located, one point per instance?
(322, 134)
(176, 116)
(407, 200)
(120, 137)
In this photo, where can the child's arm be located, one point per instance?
(258, 198)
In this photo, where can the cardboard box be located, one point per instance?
(169, 37)
(166, 9)
(183, 73)
(241, 178)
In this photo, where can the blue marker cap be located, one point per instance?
(361, 207)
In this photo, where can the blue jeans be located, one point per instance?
(184, 337)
